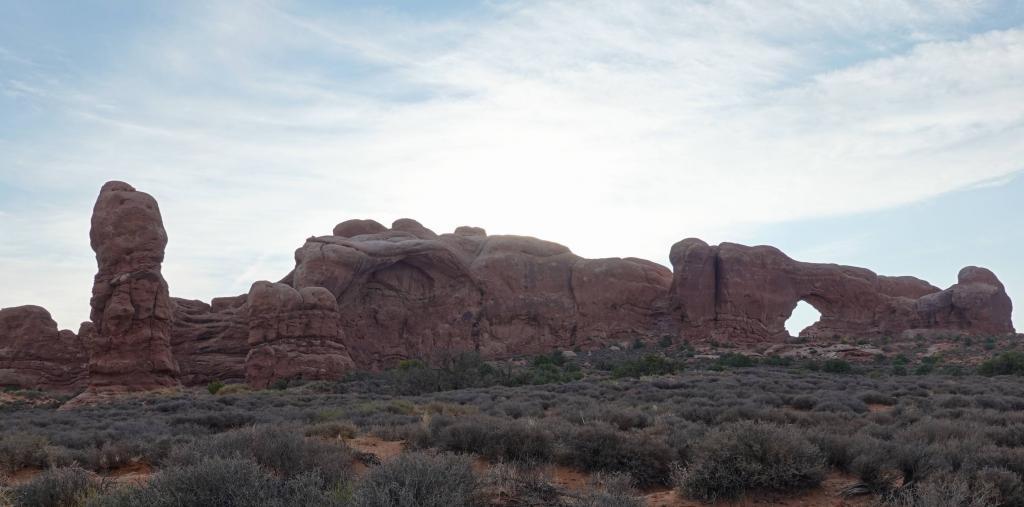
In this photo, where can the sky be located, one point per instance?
(884, 134)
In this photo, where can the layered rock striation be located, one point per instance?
(34, 354)
(294, 334)
(129, 337)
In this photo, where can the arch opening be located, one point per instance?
(802, 317)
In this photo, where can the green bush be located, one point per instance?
(650, 364)
(836, 366)
(419, 479)
(214, 386)
(746, 455)
(1008, 363)
(735, 360)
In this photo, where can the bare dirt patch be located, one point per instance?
(132, 473)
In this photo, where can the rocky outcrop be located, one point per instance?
(128, 339)
(35, 355)
(736, 293)
(294, 334)
(210, 341)
(977, 304)
(368, 296)
(408, 292)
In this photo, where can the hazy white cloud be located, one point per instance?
(616, 128)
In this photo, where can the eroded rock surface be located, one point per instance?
(735, 293)
(294, 334)
(128, 340)
(210, 341)
(410, 293)
(34, 354)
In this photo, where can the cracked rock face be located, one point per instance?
(128, 340)
(210, 341)
(294, 334)
(34, 354)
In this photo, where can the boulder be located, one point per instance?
(293, 334)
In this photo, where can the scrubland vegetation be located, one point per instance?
(906, 432)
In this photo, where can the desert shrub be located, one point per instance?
(463, 435)
(609, 490)
(233, 389)
(1007, 363)
(215, 421)
(777, 361)
(522, 485)
(280, 450)
(599, 448)
(946, 490)
(332, 429)
(547, 373)
(681, 438)
(836, 366)
(748, 455)
(521, 442)
(622, 418)
(803, 402)
(56, 487)
(1006, 486)
(494, 438)
(877, 398)
(650, 364)
(215, 481)
(1007, 436)
(419, 479)
(838, 448)
(214, 386)
(734, 360)
(22, 450)
(913, 460)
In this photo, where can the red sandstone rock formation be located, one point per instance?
(129, 338)
(368, 296)
(35, 355)
(736, 293)
(294, 334)
(408, 292)
(210, 341)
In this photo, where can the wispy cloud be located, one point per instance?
(614, 127)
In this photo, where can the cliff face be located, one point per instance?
(34, 354)
(368, 296)
(737, 293)
(413, 293)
